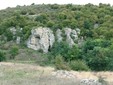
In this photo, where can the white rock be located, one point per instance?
(96, 25)
(90, 82)
(58, 35)
(18, 40)
(78, 30)
(41, 38)
(69, 34)
(13, 30)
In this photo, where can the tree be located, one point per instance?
(60, 48)
(72, 54)
(87, 24)
(97, 59)
(42, 18)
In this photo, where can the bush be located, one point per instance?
(61, 48)
(60, 64)
(78, 65)
(14, 51)
(50, 24)
(9, 35)
(98, 59)
(2, 56)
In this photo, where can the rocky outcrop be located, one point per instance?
(71, 36)
(41, 38)
(90, 82)
(74, 75)
(18, 40)
(59, 35)
(13, 30)
(64, 74)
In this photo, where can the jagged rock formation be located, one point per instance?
(71, 36)
(41, 38)
(59, 35)
(18, 40)
(13, 30)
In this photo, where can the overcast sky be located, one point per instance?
(12, 3)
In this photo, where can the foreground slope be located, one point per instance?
(18, 73)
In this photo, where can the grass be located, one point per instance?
(25, 74)
(30, 74)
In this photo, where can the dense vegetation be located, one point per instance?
(95, 22)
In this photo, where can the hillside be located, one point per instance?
(77, 37)
(17, 73)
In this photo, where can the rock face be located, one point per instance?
(71, 36)
(41, 38)
(18, 40)
(13, 30)
(58, 35)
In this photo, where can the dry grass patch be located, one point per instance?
(27, 74)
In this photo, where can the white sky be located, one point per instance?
(12, 3)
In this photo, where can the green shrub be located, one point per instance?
(60, 64)
(14, 51)
(98, 59)
(50, 24)
(78, 65)
(23, 12)
(9, 35)
(61, 48)
(2, 56)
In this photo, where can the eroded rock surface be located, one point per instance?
(13, 30)
(18, 40)
(64, 74)
(59, 35)
(41, 38)
(71, 36)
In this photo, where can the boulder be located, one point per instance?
(41, 38)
